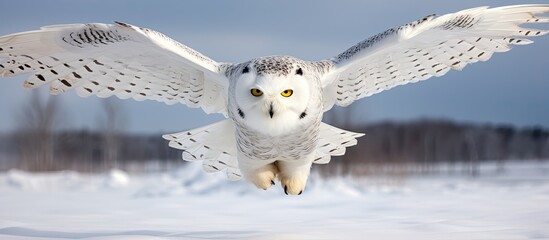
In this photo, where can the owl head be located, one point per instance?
(272, 95)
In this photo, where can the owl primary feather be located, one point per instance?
(273, 105)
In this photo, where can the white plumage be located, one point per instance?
(274, 105)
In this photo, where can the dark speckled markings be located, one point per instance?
(286, 65)
(94, 35)
(281, 65)
(349, 53)
(462, 21)
(240, 113)
(97, 35)
(277, 65)
(193, 53)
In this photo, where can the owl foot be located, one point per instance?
(293, 176)
(263, 177)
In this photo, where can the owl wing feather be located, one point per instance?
(213, 144)
(114, 59)
(429, 47)
(333, 141)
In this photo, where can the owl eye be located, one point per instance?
(287, 93)
(256, 92)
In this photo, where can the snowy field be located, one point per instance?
(187, 204)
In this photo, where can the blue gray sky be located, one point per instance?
(511, 88)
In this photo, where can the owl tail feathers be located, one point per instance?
(333, 142)
(213, 144)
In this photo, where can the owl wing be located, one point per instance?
(426, 48)
(114, 59)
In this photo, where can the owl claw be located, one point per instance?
(272, 183)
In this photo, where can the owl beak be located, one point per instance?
(271, 112)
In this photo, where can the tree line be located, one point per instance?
(38, 146)
(426, 142)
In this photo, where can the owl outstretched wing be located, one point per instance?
(115, 59)
(429, 47)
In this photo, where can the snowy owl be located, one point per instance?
(273, 105)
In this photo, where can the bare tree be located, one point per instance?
(37, 121)
(112, 123)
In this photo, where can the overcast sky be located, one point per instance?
(512, 88)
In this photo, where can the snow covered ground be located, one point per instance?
(187, 204)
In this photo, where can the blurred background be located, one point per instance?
(495, 112)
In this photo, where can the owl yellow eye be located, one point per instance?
(287, 93)
(256, 92)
